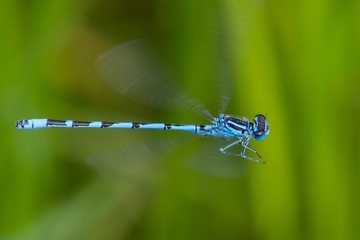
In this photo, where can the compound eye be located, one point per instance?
(260, 119)
(261, 128)
(259, 135)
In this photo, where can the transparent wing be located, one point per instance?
(227, 31)
(134, 159)
(198, 153)
(223, 60)
(136, 71)
(205, 157)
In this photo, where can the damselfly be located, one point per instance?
(151, 86)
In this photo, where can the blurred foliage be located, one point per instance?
(297, 61)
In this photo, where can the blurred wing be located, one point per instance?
(223, 51)
(205, 157)
(138, 159)
(136, 71)
(228, 46)
(195, 152)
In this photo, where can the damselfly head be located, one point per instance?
(261, 128)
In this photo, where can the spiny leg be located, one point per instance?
(244, 144)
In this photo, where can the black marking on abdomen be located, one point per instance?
(202, 128)
(106, 124)
(167, 126)
(80, 124)
(135, 125)
(22, 123)
(52, 122)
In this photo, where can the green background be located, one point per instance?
(298, 61)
